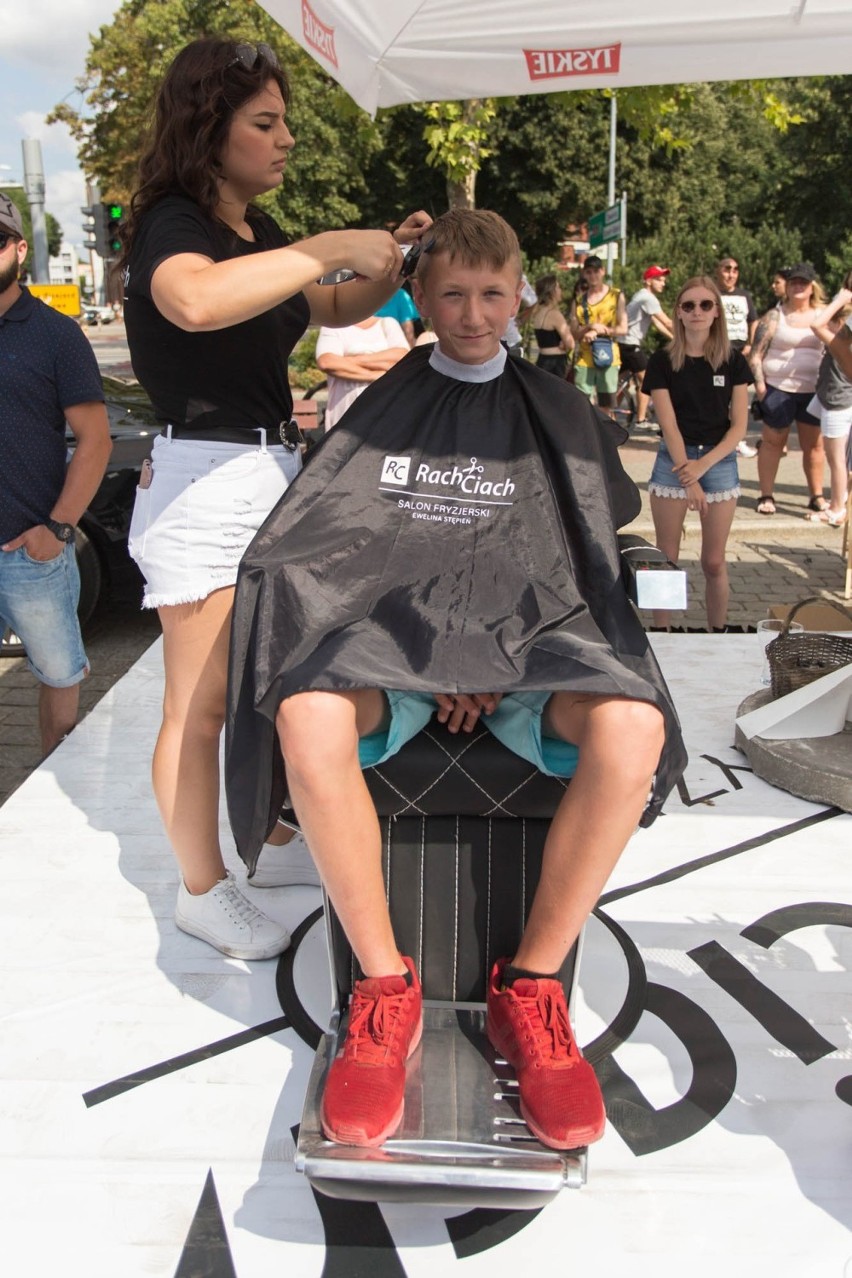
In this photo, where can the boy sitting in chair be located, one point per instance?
(451, 547)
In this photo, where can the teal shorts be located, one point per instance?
(516, 723)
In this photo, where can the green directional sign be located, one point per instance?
(605, 226)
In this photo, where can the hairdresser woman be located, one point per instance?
(215, 301)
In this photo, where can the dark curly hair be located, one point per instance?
(204, 86)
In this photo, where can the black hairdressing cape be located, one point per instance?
(446, 536)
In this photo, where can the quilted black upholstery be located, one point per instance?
(461, 774)
(459, 890)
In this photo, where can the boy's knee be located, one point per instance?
(635, 730)
(315, 726)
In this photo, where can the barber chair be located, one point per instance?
(463, 828)
(463, 825)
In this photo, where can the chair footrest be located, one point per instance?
(462, 1141)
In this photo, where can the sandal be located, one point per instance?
(766, 505)
(818, 504)
(835, 519)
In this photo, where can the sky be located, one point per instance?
(43, 47)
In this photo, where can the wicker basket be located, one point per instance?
(800, 658)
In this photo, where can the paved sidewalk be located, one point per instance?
(777, 559)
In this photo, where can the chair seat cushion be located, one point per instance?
(463, 774)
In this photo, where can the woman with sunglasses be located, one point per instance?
(215, 300)
(699, 388)
(785, 360)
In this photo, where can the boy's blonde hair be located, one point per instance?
(474, 237)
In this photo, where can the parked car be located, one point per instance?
(98, 314)
(101, 542)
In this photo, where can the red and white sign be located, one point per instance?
(317, 34)
(545, 64)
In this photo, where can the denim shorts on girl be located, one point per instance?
(516, 723)
(835, 423)
(203, 506)
(38, 601)
(779, 408)
(720, 483)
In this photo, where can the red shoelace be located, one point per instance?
(549, 1026)
(373, 1024)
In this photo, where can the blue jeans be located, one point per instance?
(720, 483)
(38, 600)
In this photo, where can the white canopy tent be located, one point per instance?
(386, 52)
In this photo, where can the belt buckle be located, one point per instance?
(290, 434)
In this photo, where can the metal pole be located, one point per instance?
(610, 191)
(34, 187)
(623, 229)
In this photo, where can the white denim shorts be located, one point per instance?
(835, 423)
(204, 504)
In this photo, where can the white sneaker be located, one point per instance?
(289, 865)
(745, 449)
(229, 922)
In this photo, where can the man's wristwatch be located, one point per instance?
(62, 532)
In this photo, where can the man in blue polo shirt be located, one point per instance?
(48, 375)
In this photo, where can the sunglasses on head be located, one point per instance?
(5, 237)
(248, 56)
(704, 305)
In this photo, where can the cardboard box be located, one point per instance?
(825, 618)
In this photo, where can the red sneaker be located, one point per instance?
(528, 1025)
(363, 1098)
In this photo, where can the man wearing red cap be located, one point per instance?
(643, 310)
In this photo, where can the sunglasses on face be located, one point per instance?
(730, 270)
(248, 56)
(704, 305)
(5, 237)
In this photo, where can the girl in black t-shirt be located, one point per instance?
(216, 299)
(699, 387)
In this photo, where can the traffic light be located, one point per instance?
(95, 228)
(113, 216)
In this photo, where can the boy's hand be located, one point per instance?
(461, 710)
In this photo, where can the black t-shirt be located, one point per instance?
(235, 376)
(701, 396)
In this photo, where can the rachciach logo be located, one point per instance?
(317, 34)
(397, 470)
(543, 64)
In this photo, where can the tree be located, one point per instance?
(457, 136)
(124, 68)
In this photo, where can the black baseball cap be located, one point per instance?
(802, 271)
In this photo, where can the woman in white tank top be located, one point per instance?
(785, 360)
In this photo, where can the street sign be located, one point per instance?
(606, 226)
(62, 297)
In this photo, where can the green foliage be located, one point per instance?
(759, 168)
(457, 134)
(304, 353)
(334, 139)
